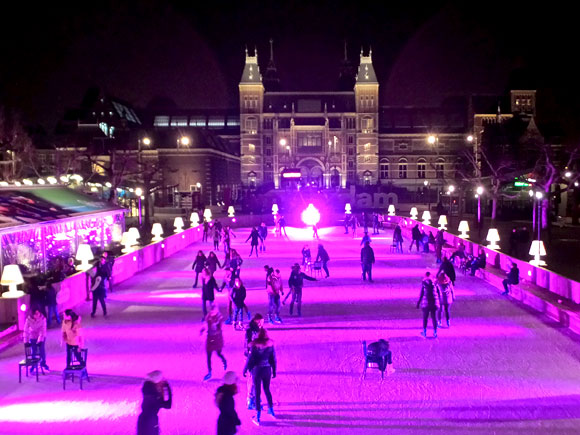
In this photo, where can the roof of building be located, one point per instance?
(31, 205)
(366, 71)
(408, 120)
(199, 138)
(251, 73)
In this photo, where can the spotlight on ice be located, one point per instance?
(310, 216)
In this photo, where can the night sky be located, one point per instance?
(192, 52)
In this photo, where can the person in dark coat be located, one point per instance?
(306, 256)
(295, 283)
(198, 265)
(448, 269)
(415, 238)
(367, 259)
(155, 390)
(460, 252)
(380, 351)
(208, 285)
(205, 230)
(228, 420)
(445, 286)
(439, 242)
(398, 239)
(215, 338)
(255, 236)
(429, 301)
(213, 262)
(263, 231)
(324, 258)
(99, 278)
(238, 297)
(262, 363)
(478, 263)
(254, 328)
(513, 278)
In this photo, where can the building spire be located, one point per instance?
(271, 79)
(271, 50)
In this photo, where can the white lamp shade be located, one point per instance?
(11, 275)
(414, 211)
(275, 208)
(126, 238)
(426, 215)
(134, 233)
(231, 209)
(194, 219)
(492, 235)
(84, 253)
(463, 226)
(442, 220)
(391, 208)
(537, 248)
(178, 222)
(157, 229)
(207, 214)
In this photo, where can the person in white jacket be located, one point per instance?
(35, 334)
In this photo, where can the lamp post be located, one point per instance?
(139, 193)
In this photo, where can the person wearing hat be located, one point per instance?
(228, 420)
(296, 282)
(367, 259)
(215, 338)
(156, 395)
(445, 286)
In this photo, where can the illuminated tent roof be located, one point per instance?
(36, 204)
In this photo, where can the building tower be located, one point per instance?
(271, 79)
(366, 90)
(251, 103)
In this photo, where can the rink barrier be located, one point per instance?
(545, 291)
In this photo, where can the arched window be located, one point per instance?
(367, 125)
(440, 168)
(421, 168)
(367, 177)
(384, 169)
(334, 177)
(403, 168)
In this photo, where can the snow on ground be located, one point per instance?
(499, 368)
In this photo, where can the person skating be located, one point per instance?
(236, 262)
(98, 289)
(429, 301)
(315, 232)
(205, 230)
(35, 335)
(208, 285)
(255, 236)
(215, 338)
(282, 224)
(275, 290)
(296, 283)
(306, 256)
(263, 231)
(439, 242)
(445, 286)
(346, 223)
(448, 269)
(213, 262)
(415, 238)
(157, 394)
(398, 239)
(228, 420)
(367, 259)
(72, 336)
(216, 237)
(262, 363)
(239, 297)
(198, 265)
(228, 234)
(513, 278)
(365, 238)
(353, 225)
(254, 328)
(324, 258)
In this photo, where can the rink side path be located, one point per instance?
(500, 368)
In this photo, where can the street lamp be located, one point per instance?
(283, 142)
(146, 141)
(139, 193)
(184, 140)
(469, 138)
(479, 192)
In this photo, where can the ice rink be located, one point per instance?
(499, 368)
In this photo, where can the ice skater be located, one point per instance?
(429, 301)
(262, 363)
(415, 238)
(282, 224)
(216, 237)
(263, 231)
(208, 285)
(98, 289)
(35, 335)
(448, 269)
(398, 239)
(306, 256)
(198, 265)
(254, 328)
(296, 283)
(239, 297)
(156, 395)
(315, 232)
(445, 287)
(367, 259)
(324, 258)
(213, 262)
(255, 236)
(236, 262)
(215, 338)
(275, 291)
(228, 420)
(353, 225)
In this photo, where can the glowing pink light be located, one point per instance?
(233, 219)
(310, 216)
(23, 307)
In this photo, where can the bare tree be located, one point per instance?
(15, 144)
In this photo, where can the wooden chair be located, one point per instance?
(76, 367)
(30, 360)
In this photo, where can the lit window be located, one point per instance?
(367, 125)
(384, 169)
(197, 121)
(421, 168)
(179, 121)
(252, 148)
(251, 125)
(403, 169)
(161, 121)
(216, 122)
